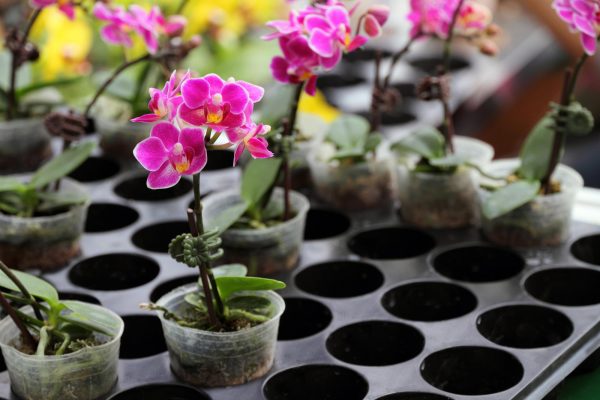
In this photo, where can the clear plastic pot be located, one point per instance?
(213, 359)
(45, 243)
(24, 145)
(355, 187)
(444, 200)
(266, 251)
(117, 138)
(544, 221)
(87, 374)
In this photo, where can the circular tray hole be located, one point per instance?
(524, 326)
(219, 159)
(366, 55)
(391, 243)
(95, 169)
(104, 217)
(587, 249)
(303, 318)
(479, 264)
(161, 391)
(340, 279)
(158, 236)
(429, 301)
(472, 371)
(2, 363)
(168, 286)
(114, 272)
(375, 343)
(323, 224)
(335, 81)
(397, 117)
(83, 297)
(316, 382)
(142, 337)
(136, 189)
(565, 286)
(430, 65)
(414, 396)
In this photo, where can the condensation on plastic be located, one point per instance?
(24, 145)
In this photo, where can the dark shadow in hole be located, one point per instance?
(136, 189)
(104, 217)
(143, 337)
(219, 159)
(375, 343)
(303, 318)
(429, 301)
(414, 396)
(95, 169)
(336, 81)
(324, 224)
(2, 363)
(565, 286)
(369, 54)
(471, 370)
(479, 264)
(392, 243)
(340, 279)
(168, 286)
(118, 271)
(84, 297)
(161, 391)
(157, 237)
(430, 65)
(407, 90)
(587, 249)
(399, 116)
(316, 382)
(524, 326)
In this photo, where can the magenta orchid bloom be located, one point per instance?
(164, 103)
(220, 105)
(375, 18)
(66, 6)
(250, 137)
(433, 17)
(297, 64)
(169, 153)
(582, 16)
(120, 24)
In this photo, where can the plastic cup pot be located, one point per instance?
(216, 359)
(266, 251)
(44, 242)
(86, 374)
(24, 145)
(118, 138)
(444, 200)
(544, 221)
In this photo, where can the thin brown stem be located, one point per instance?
(27, 338)
(36, 307)
(397, 57)
(450, 37)
(288, 132)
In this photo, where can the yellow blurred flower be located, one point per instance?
(318, 105)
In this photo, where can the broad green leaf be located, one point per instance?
(90, 317)
(229, 285)
(8, 184)
(225, 218)
(196, 300)
(258, 179)
(510, 197)
(230, 270)
(37, 287)
(255, 305)
(56, 200)
(349, 153)
(452, 160)
(373, 141)
(537, 150)
(61, 165)
(427, 142)
(349, 132)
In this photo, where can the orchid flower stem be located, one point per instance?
(215, 137)
(12, 313)
(378, 91)
(22, 289)
(223, 146)
(397, 57)
(207, 135)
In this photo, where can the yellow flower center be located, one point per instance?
(214, 117)
(181, 162)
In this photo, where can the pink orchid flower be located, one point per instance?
(164, 103)
(250, 137)
(582, 16)
(375, 18)
(220, 105)
(120, 24)
(150, 25)
(66, 6)
(297, 64)
(433, 17)
(169, 153)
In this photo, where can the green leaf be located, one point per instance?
(275, 105)
(427, 142)
(229, 285)
(90, 317)
(225, 218)
(61, 165)
(230, 270)
(196, 300)
(37, 287)
(537, 150)
(373, 141)
(42, 85)
(452, 160)
(255, 305)
(258, 179)
(57, 200)
(9, 184)
(349, 132)
(510, 197)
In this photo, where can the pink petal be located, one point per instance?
(589, 44)
(193, 116)
(68, 10)
(357, 42)
(258, 148)
(380, 12)
(372, 27)
(236, 135)
(193, 138)
(215, 82)
(151, 153)
(321, 43)
(167, 133)
(299, 48)
(337, 16)
(330, 62)
(311, 86)
(101, 11)
(173, 105)
(195, 92)
(279, 69)
(256, 92)
(317, 22)
(236, 96)
(230, 121)
(146, 118)
(239, 150)
(114, 35)
(165, 177)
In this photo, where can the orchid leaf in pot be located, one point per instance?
(40, 223)
(438, 172)
(53, 349)
(223, 330)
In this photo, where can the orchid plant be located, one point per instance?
(544, 146)
(194, 113)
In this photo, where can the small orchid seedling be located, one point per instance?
(313, 40)
(543, 149)
(194, 113)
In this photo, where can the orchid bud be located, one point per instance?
(175, 26)
(488, 47)
(493, 30)
(380, 12)
(372, 26)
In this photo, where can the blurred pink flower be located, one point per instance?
(375, 18)
(433, 17)
(66, 6)
(298, 63)
(582, 16)
(250, 137)
(165, 103)
(169, 153)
